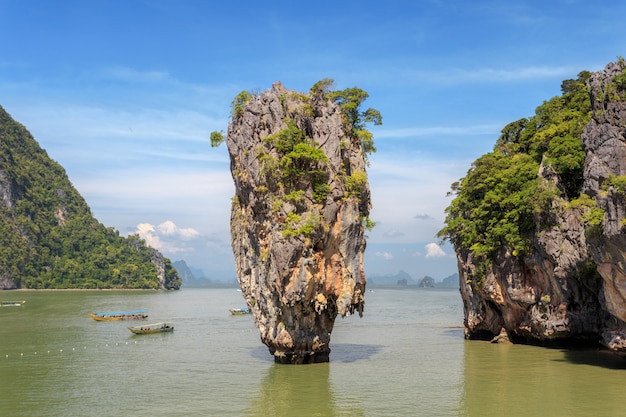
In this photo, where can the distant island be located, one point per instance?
(48, 236)
(403, 279)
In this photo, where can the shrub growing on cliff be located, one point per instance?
(496, 204)
(239, 101)
(217, 138)
(617, 183)
(301, 160)
(355, 120)
(592, 215)
(355, 184)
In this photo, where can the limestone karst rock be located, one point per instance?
(298, 217)
(48, 236)
(571, 288)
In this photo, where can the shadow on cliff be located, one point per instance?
(595, 357)
(339, 353)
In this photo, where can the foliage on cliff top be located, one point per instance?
(48, 236)
(496, 203)
(293, 164)
(350, 100)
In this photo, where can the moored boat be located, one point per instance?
(11, 303)
(240, 311)
(161, 327)
(120, 315)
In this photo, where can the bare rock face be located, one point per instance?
(297, 220)
(573, 287)
(605, 142)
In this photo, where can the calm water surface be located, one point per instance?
(405, 357)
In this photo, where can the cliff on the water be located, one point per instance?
(300, 212)
(48, 235)
(539, 224)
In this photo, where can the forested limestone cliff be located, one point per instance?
(539, 224)
(48, 235)
(300, 212)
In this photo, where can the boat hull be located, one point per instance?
(151, 331)
(164, 327)
(240, 311)
(119, 316)
(11, 303)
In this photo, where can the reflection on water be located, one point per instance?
(294, 391)
(515, 380)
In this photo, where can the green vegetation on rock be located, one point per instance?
(497, 203)
(48, 235)
(350, 100)
(293, 166)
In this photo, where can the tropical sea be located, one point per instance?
(405, 357)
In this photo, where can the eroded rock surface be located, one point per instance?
(297, 220)
(573, 287)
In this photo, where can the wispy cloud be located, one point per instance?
(393, 233)
(471, 130)
(384, 255)
(455, 76)
(423, 217)
(133, 75)
(515, 74)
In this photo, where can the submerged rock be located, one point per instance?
(298, 217)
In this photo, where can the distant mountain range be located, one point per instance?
(195, 277)
(192, 277)
(403, 278)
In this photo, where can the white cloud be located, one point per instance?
(385, 255)
(433, 250)
(146, 231)
(168, 227)
(393, 233)
(166, 237)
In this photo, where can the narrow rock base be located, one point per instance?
(302, 358)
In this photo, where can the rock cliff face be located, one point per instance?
(573, 287)
(297, 221)
(48, 235)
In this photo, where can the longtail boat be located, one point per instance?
(161, 327)
(11, 303)
(240, 311)
(120, 315)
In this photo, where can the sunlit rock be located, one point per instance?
(298, 218)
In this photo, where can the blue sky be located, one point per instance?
(124, 95)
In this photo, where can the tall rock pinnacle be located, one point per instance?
(299, 213)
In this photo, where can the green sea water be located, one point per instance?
(405, 357)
